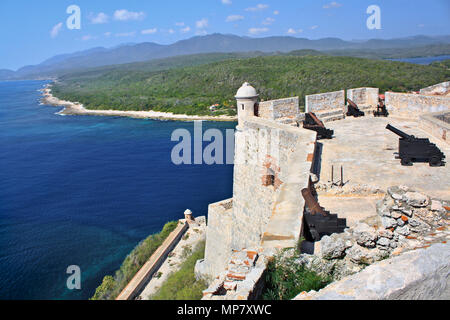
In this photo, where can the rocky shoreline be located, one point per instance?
(75, 108)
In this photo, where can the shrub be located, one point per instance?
(182, 285)
(285, 279)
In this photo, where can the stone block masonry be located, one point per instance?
(218, 236)
(281, 109)
(440, 88)
(408, 105)
(365, 98)
(271, 167)
(329, 101)
(434, 124)
(268, 149)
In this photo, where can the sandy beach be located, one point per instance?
(75, 108)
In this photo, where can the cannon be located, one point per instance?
(318, 221)
(353, 110)
(412, 149)
(311, 122)
(381, 108)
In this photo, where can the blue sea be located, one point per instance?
(82, 190)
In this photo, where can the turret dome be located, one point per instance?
(246, 91)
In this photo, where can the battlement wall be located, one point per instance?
(218, 239)
(329, 101)
(364, 97)
(440, 88)
(280, 108)
(408, 105)
(436, 126)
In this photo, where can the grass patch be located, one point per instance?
(182, 285)
(111, 286)
(285, 279)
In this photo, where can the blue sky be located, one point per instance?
(32, 31)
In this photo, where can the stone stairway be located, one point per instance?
(318, 225)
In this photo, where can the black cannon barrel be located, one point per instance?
(398, 132)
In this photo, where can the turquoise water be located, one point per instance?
(80, 190)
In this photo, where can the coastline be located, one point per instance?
(75, 108)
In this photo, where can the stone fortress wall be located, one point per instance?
(327, 106)
(273, 161)
(440, 88)
(365, 98)
(409, 105)
(279, 109)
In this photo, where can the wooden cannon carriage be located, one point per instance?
(311, 122)
(353, 110)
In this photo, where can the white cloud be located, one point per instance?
(331, 5)
(88, 37)
(186, 30)
(179, 24)
(126, 34)
(107, 34)
(314, 27)
(149, 31)
(201, 32)
(125, 15)
(171, 31)
(256, 31)
(268, 21)
(234, 17)
(276, 12)
(201, 24)
(258, 7)
(55, 30)
(228, 2)
(293, 31)
(99, 18)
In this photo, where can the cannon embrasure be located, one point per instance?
(381, 107)
(412, 149)
(311, 122)
(353, 109)
(318, 221)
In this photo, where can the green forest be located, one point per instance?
(190, 86)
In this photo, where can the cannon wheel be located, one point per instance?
(406, 162)
(435, 162)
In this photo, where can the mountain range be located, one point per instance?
(213, 43)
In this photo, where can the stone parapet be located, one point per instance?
(440, 88)
(433, 124)
(218, 239)
(287, 108)
(408, 105)
(365, 98)
(325, 102)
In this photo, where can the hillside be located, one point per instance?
(129, 53)
(192, 89)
